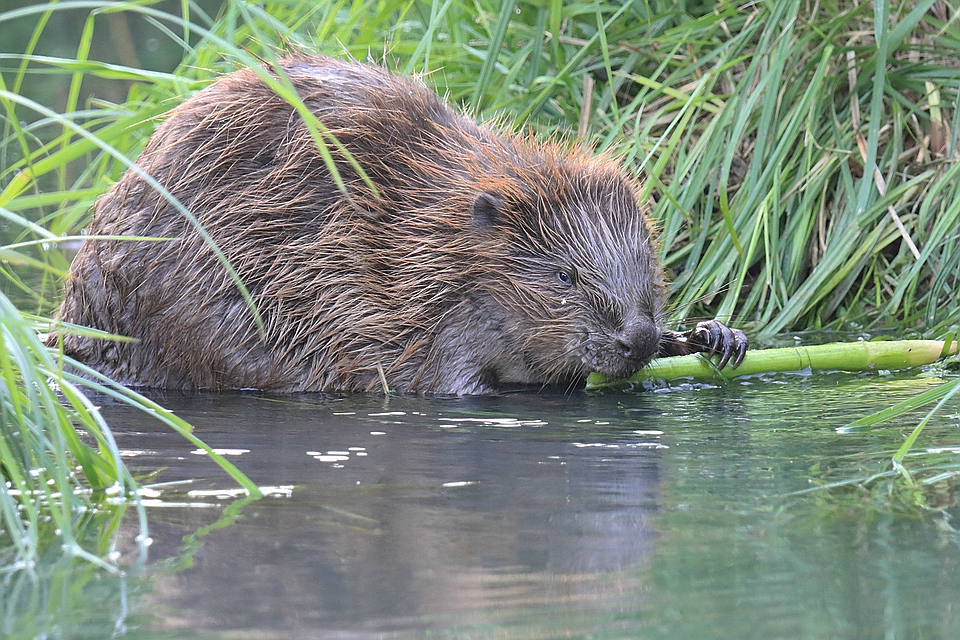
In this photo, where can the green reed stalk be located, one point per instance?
(847, 356)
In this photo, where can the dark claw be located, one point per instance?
(710, 337)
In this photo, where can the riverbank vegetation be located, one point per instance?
(801, 160)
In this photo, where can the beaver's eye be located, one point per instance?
(564, 277)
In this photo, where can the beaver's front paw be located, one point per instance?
(708, 337)
(712, 337)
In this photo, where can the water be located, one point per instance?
(653, 515)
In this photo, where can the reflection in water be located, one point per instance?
(656, 515)
(411, 514)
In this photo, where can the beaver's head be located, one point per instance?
(579, 278)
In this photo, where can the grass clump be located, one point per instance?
(804, 160)
(802, 157)
(39, 443)
(64, 482)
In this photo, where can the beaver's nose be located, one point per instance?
(639, 340)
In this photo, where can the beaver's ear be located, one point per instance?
(486, 210)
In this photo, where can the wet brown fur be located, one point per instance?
(449, 280)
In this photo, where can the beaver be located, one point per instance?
(463, 258)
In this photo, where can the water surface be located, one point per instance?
(673, 514)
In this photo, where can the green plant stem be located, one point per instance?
(849, 356)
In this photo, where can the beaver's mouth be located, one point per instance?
(617, 370)
(622, 354)
(612, 363)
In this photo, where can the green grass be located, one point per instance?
(802, 167)
(762, 135)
